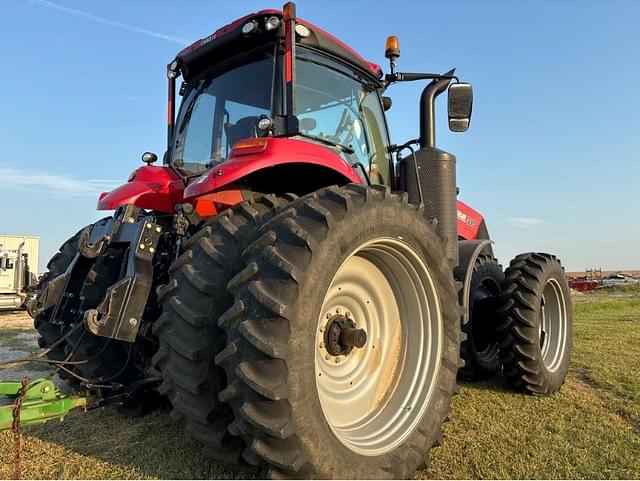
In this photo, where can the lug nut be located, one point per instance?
(141, 246)
(327, 357)
(133, 322)
(158, 229)
(149, 225)
(321, 345)
(338, 359)
(152, 250)
(347, 314)
(338, 310)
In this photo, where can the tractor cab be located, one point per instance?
(236, 86)
(273, 104)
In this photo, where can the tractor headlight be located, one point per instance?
(174, 67)
(249, 27)
(302, 30)
(272, 23)
(265, 123)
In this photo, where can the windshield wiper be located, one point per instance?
(187, 115)
(344, 148)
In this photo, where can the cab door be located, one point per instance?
(335, 102)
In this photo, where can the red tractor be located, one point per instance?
(300, 289)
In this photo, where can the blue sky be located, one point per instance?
(551, 158)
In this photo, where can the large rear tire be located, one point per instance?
(536, 324)
(306, 399)
(187, 329)
(480, 349)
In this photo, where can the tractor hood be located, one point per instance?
(149, 187)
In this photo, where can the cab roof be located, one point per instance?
(229, 40)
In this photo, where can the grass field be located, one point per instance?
(590, 429)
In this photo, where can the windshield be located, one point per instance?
(221, 107)
(334, 104)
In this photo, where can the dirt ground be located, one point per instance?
(18, 338)
(15, 320)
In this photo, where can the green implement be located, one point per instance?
(40, 403)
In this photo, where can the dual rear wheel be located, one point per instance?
(317, 337)
(340, 340)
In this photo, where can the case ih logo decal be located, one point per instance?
(470, 221)
(208, 39)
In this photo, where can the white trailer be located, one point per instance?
(18, 269)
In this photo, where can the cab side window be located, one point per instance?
(335, 103)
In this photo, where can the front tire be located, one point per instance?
(536, 324)
(312, 404)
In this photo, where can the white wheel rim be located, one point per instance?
(374, 397)
(553, 325)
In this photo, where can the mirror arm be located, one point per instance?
(410, 76)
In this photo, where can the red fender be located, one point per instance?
(264, 153)
(149, 187)
(161, 188)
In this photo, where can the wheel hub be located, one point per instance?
(341, 336)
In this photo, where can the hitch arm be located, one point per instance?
(40, 403)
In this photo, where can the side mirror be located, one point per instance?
(149, 158)
(460, 104)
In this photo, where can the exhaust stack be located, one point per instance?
(431, 176)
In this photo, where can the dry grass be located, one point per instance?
(590, 429)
